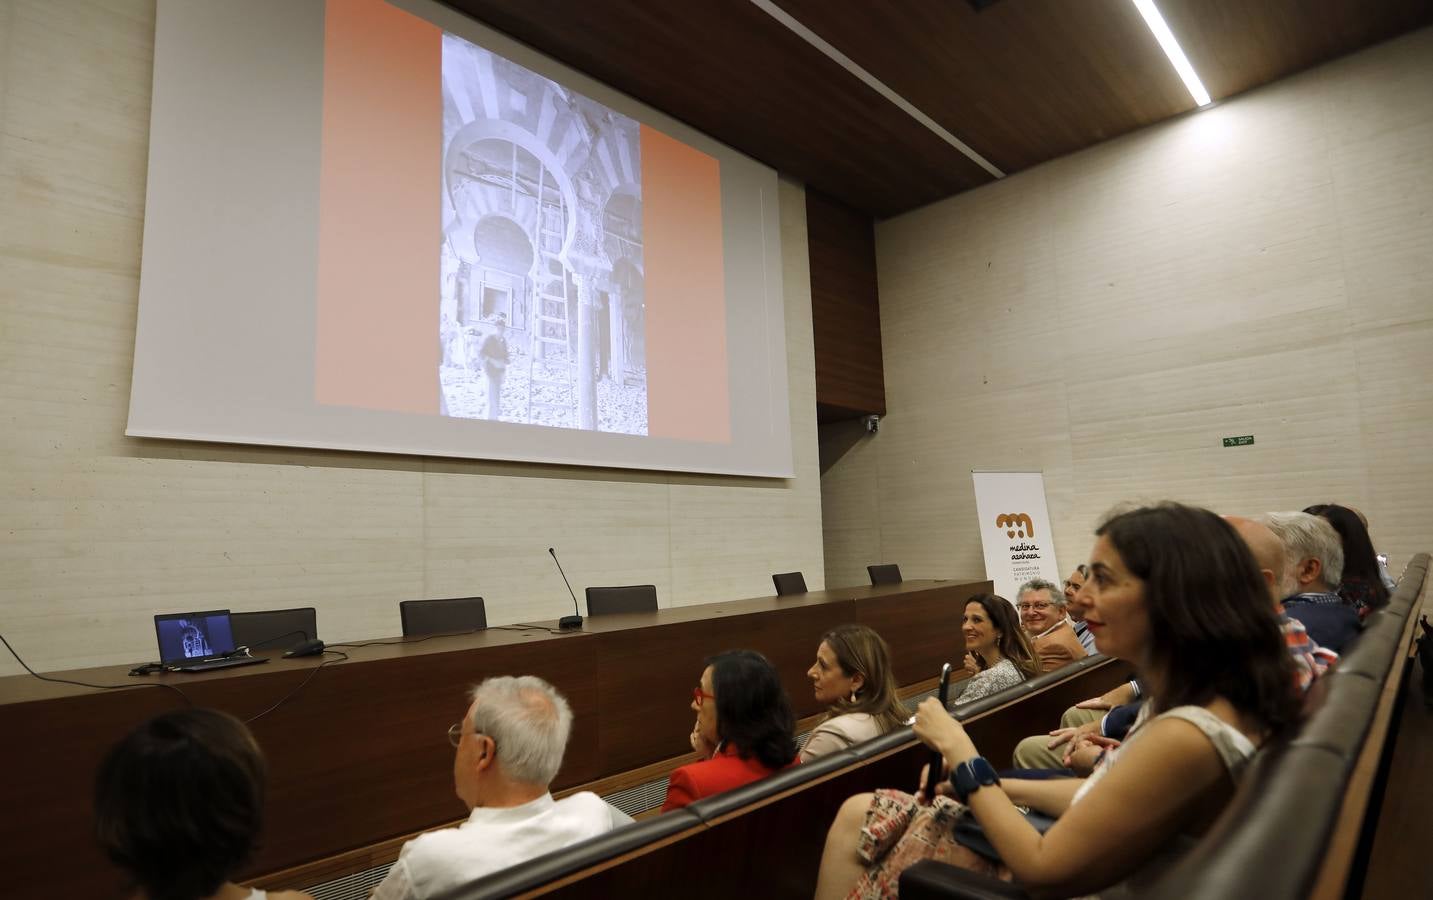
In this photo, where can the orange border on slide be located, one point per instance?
(685, 291)
(377, 342)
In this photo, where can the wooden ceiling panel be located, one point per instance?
(730, 70)
(1022, 81)
(1236, 45)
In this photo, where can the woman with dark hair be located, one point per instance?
(1362, 585)
(998, 653)
(1177, 593)
(744, 731)
(852, 675)
(179, 806)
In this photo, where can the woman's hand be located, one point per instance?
(972, 665)
(704, 748)
(938, 730)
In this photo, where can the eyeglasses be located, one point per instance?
(1027, 607)
(455, 733)
(699, 696)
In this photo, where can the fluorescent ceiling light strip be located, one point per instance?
(875, 84)
(1171, 49)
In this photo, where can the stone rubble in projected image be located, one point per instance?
(622, 409)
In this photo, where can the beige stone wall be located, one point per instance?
(1264, 267)
(101, 531)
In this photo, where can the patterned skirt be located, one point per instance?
(900, 831)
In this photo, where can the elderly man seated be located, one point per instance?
(509, 748)
(1042, 613)
(1313, 553)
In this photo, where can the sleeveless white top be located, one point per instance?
(1234, 749)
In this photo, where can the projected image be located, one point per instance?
(541, 316)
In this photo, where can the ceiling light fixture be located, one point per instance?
(1155, 21)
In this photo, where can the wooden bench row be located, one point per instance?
(1300, 825)
(771, 833)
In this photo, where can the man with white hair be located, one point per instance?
(1042, 613)
(509, 748)
(1313, 554)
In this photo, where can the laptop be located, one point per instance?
(198, 642)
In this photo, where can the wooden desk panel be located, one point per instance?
(660, 665)
(361, 754)
(928, 622)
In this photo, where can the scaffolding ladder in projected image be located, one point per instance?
(551, 367)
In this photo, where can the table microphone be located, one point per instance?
(572, 621)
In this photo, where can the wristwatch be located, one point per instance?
(972, 775)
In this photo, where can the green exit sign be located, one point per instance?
(1242, 440)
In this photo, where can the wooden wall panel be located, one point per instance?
(1256, 268)
(102, 531)
(846, 310)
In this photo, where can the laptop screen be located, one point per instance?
(193, 635)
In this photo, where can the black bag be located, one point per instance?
(971, 834)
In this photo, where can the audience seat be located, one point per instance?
(789, 583)
(603, 601)
(889, 573)
(456, 614)
(276, 629)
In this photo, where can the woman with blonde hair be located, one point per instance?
(852, 675)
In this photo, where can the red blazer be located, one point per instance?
(722, 772)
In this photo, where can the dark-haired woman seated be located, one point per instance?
(744, 729)
(1176, 592)
(1362, 584)
(998, 653)
(852, 676)
(179, 805)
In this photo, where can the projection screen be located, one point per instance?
(379, 226)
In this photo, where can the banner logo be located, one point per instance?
(1016, 525)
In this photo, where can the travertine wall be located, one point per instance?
(101, 531)
(1264, 267)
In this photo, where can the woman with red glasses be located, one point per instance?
(744, 730)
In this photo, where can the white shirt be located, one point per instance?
(494, 839)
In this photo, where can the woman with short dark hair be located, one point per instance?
(1176, 592)
(179, 806)
(852, 675)
(744, 730)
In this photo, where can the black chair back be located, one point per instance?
(890, 573)
(276, 629)
(603, 601)
(789, 583)
(441, 616)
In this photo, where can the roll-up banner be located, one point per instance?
(1014, 529)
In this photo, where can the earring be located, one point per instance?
(853, 695)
